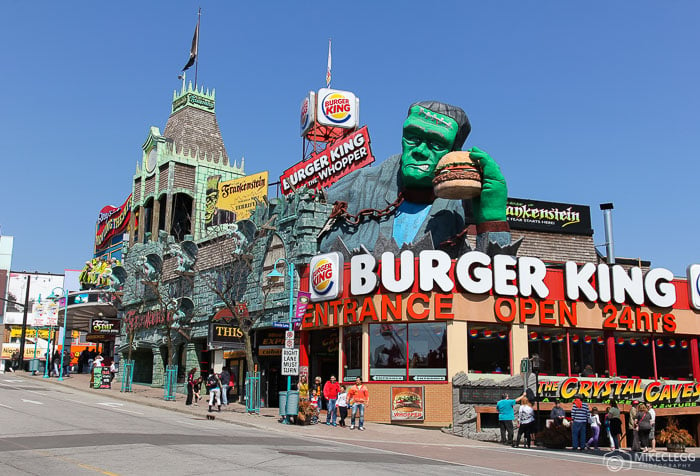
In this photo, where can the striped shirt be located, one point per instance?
(580, 415)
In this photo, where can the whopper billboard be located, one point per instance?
(326, 167)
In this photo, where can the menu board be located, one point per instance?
(101, 377)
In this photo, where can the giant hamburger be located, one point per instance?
(457, 176)
(407, 402)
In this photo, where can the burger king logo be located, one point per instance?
(326, 276)
(306, 116)
(336, 107)
(322, 276)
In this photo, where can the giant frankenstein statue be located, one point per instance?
(393, 207)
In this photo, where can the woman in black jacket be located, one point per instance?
(190, 386)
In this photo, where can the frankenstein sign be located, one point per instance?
(548, 217)
(227, 336)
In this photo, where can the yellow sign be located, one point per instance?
(10, 348)
(241, 195)
(233, 354)
(31, 333)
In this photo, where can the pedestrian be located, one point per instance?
(526, 416)
(190, 385)
(505, 416)
(15, 361)
(579, 417)
(594, 421)
(303, 387)
(652, 433)
(643, 427)
(113, 369)
(615, 424)
(214, 387)
(225, 380)
(317, 392)
(341, 404)
(330, 393)
(91, 359)
(98, 361)
(55, 362)
(632, 426)
(606, 427)
(83, 362)
(358, 397)
(557, 414)
(197, 388)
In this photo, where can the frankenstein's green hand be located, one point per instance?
(491, 205)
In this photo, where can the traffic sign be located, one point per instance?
(289, 335)
(288, 343)
(290, 361)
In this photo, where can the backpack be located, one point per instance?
(211, 381)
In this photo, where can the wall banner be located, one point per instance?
(233, 200)
(407, 403)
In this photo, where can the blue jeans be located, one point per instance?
(358, 408)
(578, 435)
(224, 394)
(331, 415)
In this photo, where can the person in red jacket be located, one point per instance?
(330, 393)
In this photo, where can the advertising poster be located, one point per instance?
(233, 200)
(549, 217)
(40, 285)
(328, 166)
(407, 403)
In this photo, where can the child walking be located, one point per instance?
(342, 404)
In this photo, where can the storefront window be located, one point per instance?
(408, 351)
(551, 347)
(427, 347)
(673, 358)
(633, 353)
(488, 349)
(352, 348)
(387, 343)
(588, 358)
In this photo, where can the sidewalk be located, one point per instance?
(268, 418)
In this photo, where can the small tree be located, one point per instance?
(231, 247)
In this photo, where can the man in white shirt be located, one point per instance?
(652, 438)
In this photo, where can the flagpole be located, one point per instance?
(196, 59)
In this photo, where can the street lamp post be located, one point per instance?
(65, 318)
(536, 361)
(274, 274)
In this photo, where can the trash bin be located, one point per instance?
(283, 403)
(293, 402)
(34, 365)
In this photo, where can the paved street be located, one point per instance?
(62, 428)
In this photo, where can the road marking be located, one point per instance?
(32, 401)
(128, 411)
(111, 404)
(13, 380)
(6, 406)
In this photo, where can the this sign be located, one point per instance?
(303, 299)
(407, 403)
(112, 221)
(693, 273)
(328, 166)
(101, 377)
(289, 335)
(31, 333)
(9, 348)
(271, 342)
(326, 276)
(486, 394)
(337, 108)
(289, 343)
(46, 313)
(290, 361)
(195, 100)
(105, 326)
(525, 366)
(136, 320)
(550, 217)
(661, 394)
(307, 113)
(226, 335)
(100, 337)
(237, 198)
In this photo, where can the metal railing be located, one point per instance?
(170, 382)
(127, 375)
(252, 392)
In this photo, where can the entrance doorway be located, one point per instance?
(324, 354)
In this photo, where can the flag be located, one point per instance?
(193, 50)
(328, 72)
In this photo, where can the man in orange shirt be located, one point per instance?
(358, 397)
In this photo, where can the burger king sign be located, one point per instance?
(337, 108)
(326, 276)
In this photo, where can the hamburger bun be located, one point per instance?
(407, 402)
(457, 176)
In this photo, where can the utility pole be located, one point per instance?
(24, 324)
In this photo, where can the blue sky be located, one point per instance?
(579, 102)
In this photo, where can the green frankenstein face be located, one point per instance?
(427, 136)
